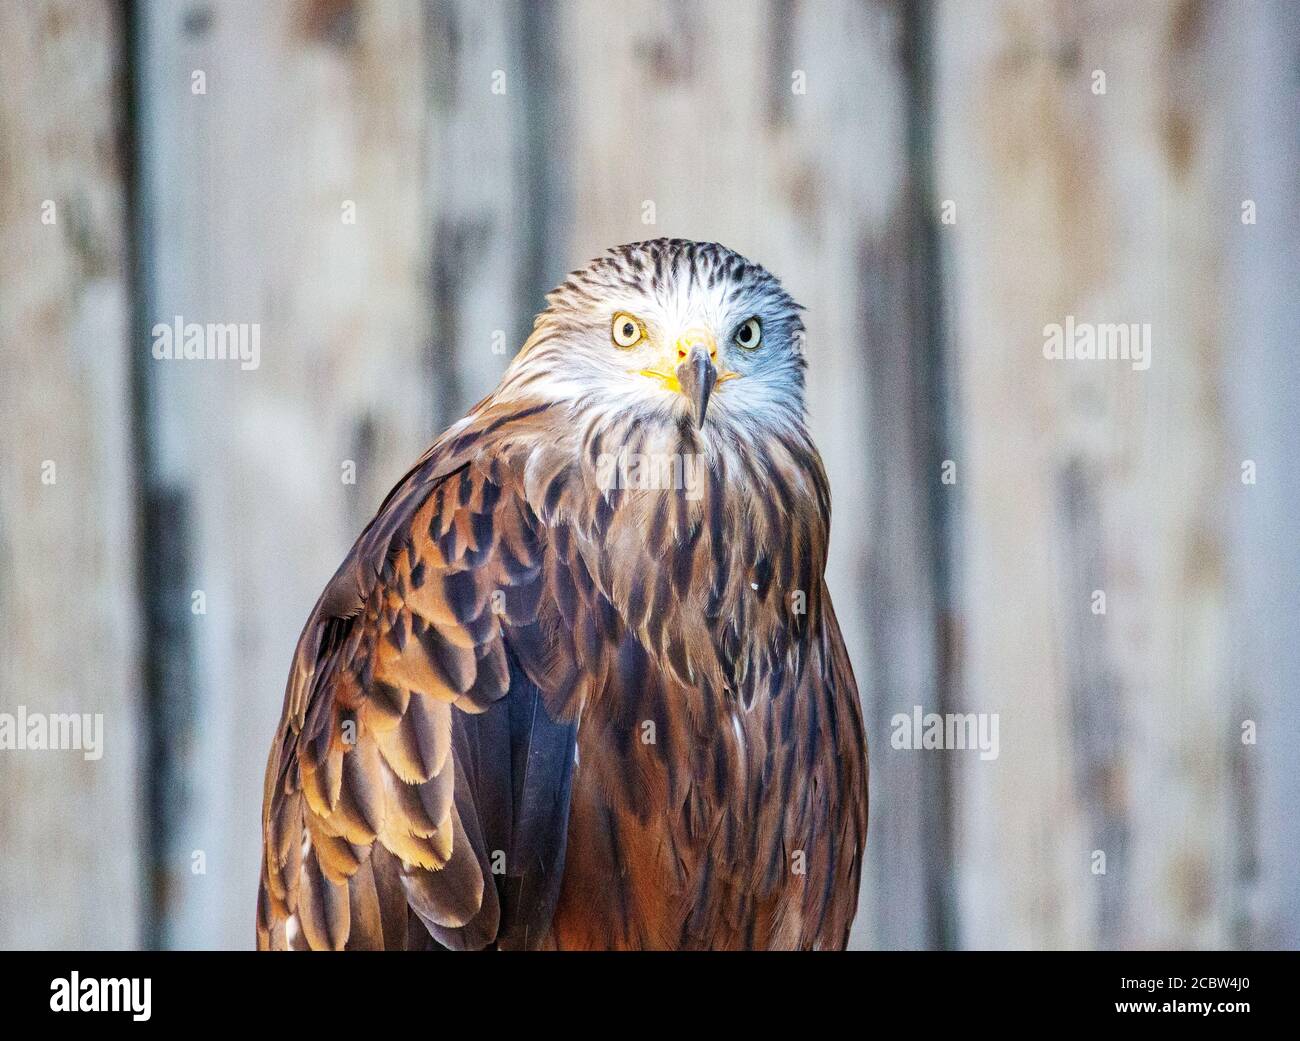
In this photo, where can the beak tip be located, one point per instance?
(697, 376)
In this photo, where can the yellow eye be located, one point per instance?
(626, 330)
(749, 334)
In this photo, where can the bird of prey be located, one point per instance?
(579, 683)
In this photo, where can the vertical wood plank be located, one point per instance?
(308, 107)
(480, 102)
(692, 109)
(70, 830)
(1262, 380)
(1084, 476)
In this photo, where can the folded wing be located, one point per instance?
(417, 789)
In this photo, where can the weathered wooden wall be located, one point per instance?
(1121, 732)
(387, 188)
(1261, 387)
(244, 195)
(70, 828)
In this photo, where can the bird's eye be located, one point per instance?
(749, 334)
(626, 330)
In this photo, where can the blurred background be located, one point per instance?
(387, 188)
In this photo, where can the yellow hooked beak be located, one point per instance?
(692, 370)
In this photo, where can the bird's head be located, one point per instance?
(684, 330)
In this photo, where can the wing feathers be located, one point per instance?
(323, 911)
(371, 815)
(452, 895)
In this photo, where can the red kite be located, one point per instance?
(579, 683)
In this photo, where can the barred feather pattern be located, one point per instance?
(533, 710)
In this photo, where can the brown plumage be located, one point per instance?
(579, 682)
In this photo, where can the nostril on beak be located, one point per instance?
(697, 337)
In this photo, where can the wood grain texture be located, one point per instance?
(1117, 731)
(476, 141)
(71, 832)
(1261, 378)
(307, 106)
